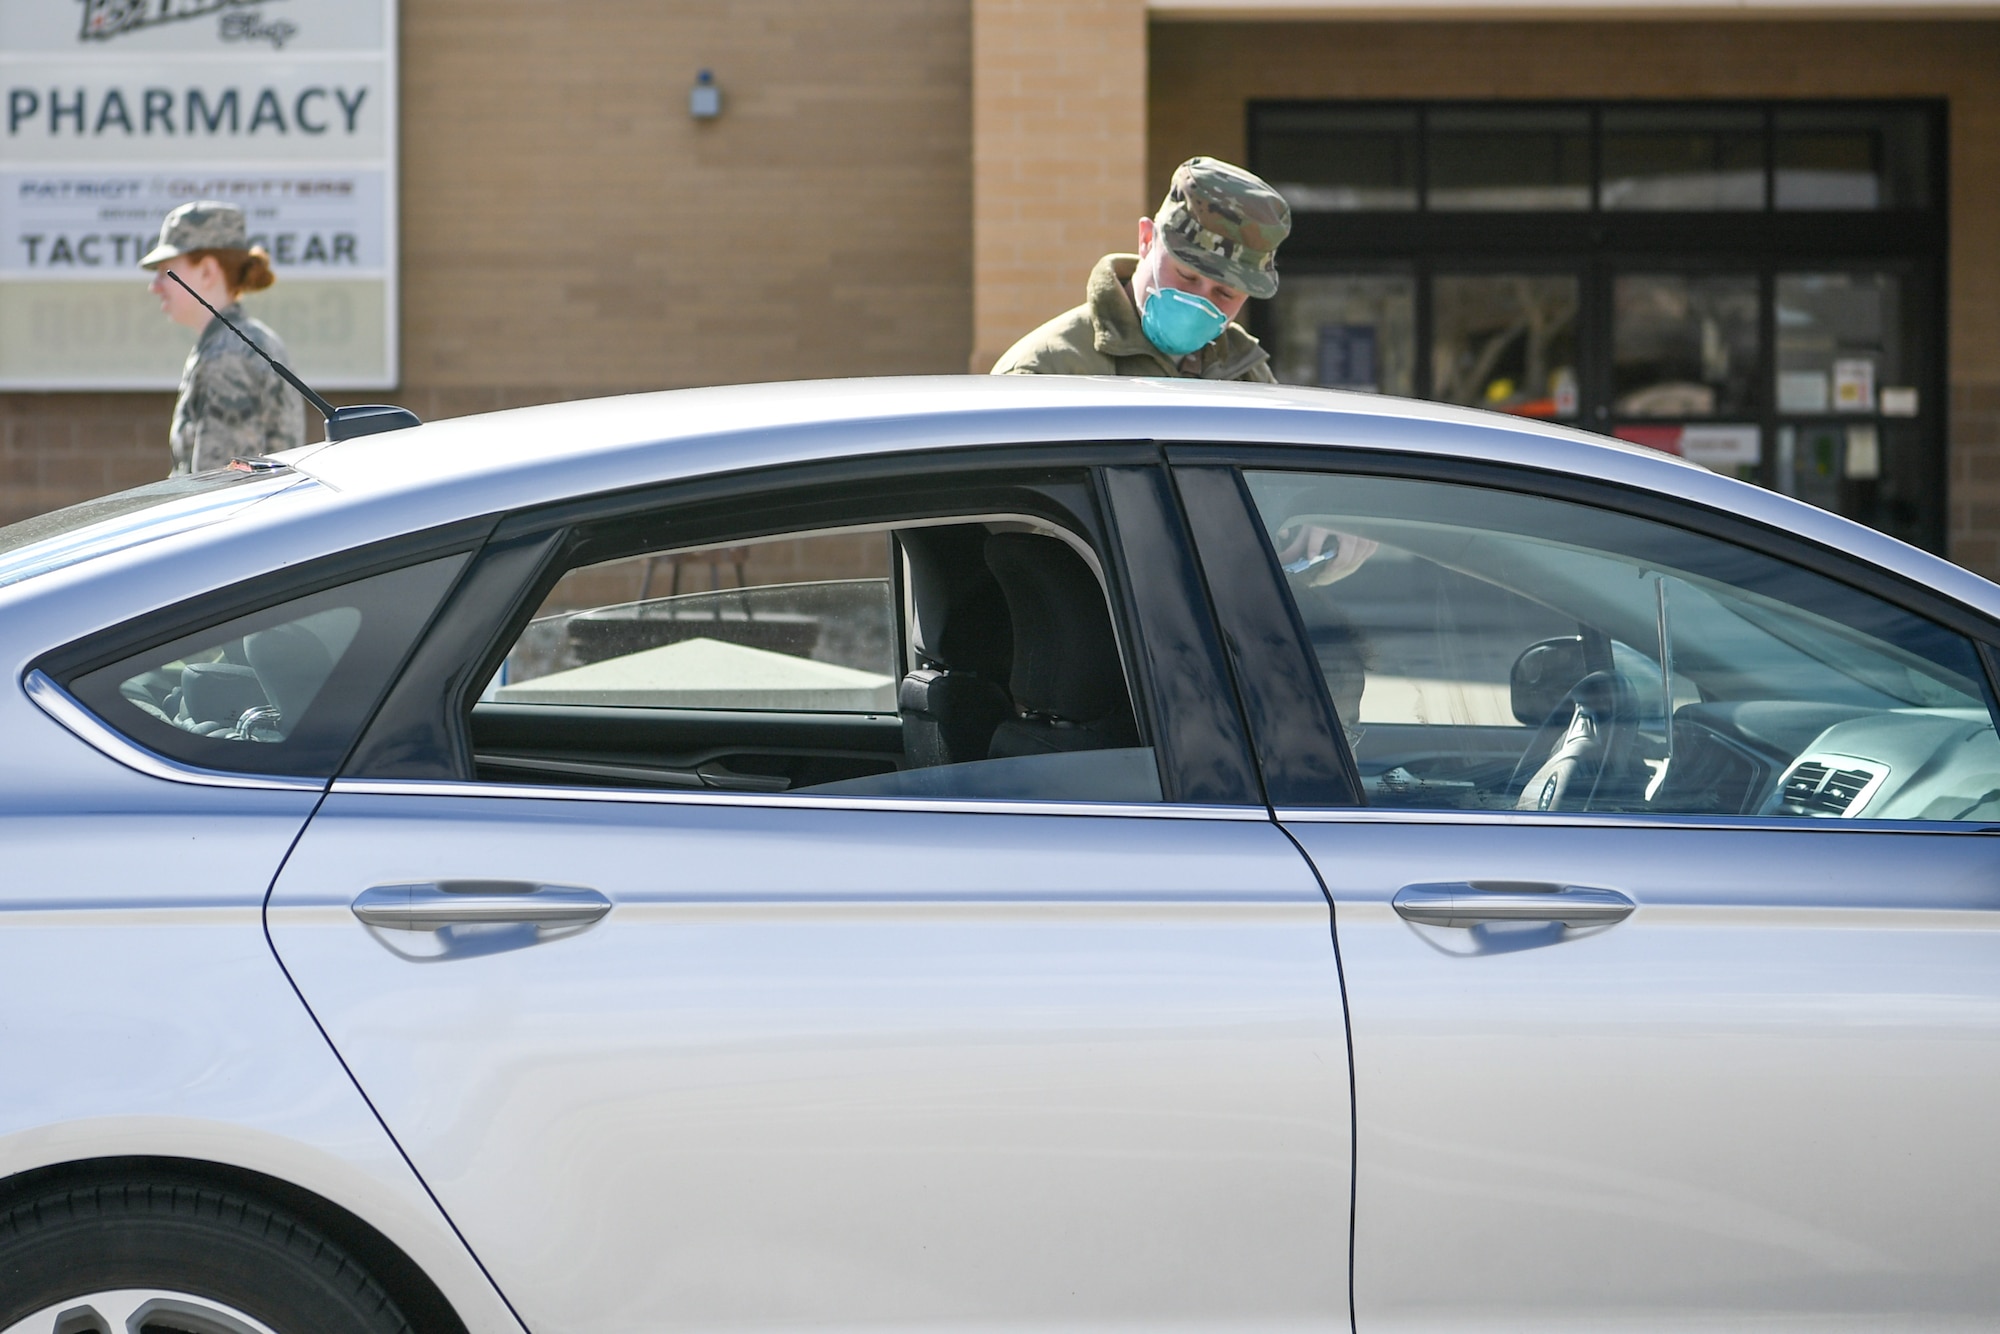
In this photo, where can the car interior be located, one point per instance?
(245, 687)
(280, 690)
(974, 657)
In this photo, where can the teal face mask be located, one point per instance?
(1178, 322)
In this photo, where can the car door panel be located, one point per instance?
(1760, 1097)
(859, 1067)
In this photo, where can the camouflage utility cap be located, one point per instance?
(1225, 224)
(206, 224)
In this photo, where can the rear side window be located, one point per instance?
(802, 624)
(965, 658)
(280, 691)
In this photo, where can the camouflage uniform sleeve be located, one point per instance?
(237, 407)
(1063, 346)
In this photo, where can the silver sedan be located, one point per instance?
(992, 854)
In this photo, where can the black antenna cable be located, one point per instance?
(341, 423)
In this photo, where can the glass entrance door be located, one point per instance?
(1502, 338)
(1508, 341)
(1849, 410)
(1754, 286)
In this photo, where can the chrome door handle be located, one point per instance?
(1478, 902)
(428, 906)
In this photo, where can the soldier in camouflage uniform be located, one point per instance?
(231, 405)
(1210, 248)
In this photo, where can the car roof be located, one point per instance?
(681, 433)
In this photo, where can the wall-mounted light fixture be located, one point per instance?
(705, 99)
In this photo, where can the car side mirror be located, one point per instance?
(1543, 675)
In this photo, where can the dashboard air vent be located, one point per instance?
(1803, 782)
(1844, 787)
(1829, 785)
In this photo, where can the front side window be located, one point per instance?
(1487, 650)
(969, 658)
(284, 690)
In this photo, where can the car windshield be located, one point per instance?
(144, 514)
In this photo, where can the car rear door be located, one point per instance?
(678, 1058)
(1699, 1044)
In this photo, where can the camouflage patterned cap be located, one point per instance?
(206, 224)
(1225, 224)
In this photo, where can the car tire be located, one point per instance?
(212, 1256)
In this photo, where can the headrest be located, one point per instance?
(1065, 655)
(218, 692)
(961, 618)
(292, 664)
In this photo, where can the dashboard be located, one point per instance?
(1762, 757)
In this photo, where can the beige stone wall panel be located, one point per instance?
(1058, 155)
(568, 225)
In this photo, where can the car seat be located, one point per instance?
(963, 642)
(291, 664)
(214, 695)
(1066, 680)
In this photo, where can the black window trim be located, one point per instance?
(1302, 755)
(1934, 110)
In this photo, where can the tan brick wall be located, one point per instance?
(568, 229)
(1203, 74)
(1058, 155)
(57, 449)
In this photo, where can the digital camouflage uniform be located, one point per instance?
(232, 404)
(1218, 220)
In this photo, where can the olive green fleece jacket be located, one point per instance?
(1102, 337)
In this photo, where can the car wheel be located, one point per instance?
(156, 1257)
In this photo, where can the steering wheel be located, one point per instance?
(1585, 755)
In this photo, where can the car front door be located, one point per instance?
(1669, 912)
(687, 1031)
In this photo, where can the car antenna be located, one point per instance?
(341, 423)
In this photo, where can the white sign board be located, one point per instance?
(114, 111)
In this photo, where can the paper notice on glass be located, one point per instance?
(1899, 400)
(1854, 384)
(1864, 453)
(1723, 448)
(1802, 391)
